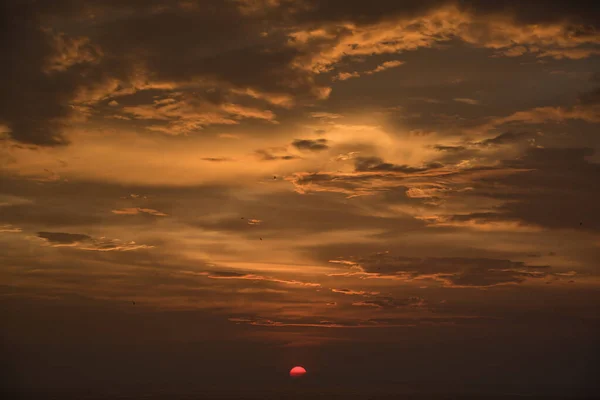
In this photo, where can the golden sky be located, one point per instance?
(343, 185)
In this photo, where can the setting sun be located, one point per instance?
(297, 372)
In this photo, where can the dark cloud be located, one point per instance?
(376, 164)
(506, 138)
(555, 193)
(61, 68)
(266, 155)
(310, 145)
(391, 302)
(288, 215)
(555, 158)
(537, 11)
(226, 274)
(592, 97)
(352, 185)
(372, 175)
(51, 215)
(34, 104)
(452, 271)
(216, 159)
(228, 37)
(503, 138)
(128, 51)
(64, 238)
(450, 148)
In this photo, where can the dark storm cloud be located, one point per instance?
(310, 145)
(452, 271)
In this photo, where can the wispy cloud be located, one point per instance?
(465, 100)
(253, 277)
(7, 228)
(86, 242)
(138, 210)
(450, 271)
(217, 159)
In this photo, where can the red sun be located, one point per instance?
(297, 371)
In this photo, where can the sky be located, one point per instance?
(400, 196)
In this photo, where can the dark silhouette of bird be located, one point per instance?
(242, 218)
(581, 223)
(274, 177)
(260, 238)
(133, 303)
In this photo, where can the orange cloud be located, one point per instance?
(253, 277)
(342, 76)
(472, 102)
(85, 242)
(183, 114)
(138, 210)
(7, 228)
(69, 51)
(354, 292)
(327, 45)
